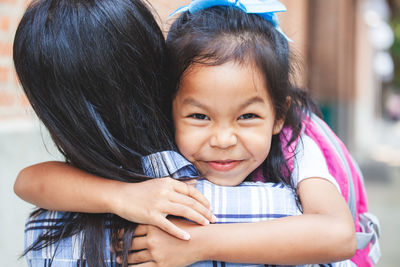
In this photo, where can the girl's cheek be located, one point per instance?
(182, 139)
(189, 140)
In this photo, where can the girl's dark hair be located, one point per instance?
(94, 72)
(218, 35)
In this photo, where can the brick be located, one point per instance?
(9, 2)
(6, 49)
(4, 23)
(4, 71)
(8, 99)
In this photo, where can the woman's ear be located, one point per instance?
(279, 123)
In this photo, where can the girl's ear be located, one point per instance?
(278, 126)
(279, 123)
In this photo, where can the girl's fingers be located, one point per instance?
(136, 258)
(167, 226)
(138, 243)
(139, 257)
(193, 209)
(140, 230)
(147, 264)
(187, 188)
(178, 209)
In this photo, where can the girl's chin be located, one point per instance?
(224, 181)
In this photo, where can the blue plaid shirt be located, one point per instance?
(248, 202)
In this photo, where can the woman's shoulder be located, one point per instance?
(249, 201)
(43, 220)
(38, 226)
(65, 252)
(243, 186)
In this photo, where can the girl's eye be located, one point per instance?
(248, 116)
(199, 116)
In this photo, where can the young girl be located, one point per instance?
(243, 59)
(233, 98)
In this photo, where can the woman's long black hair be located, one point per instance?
(94, 72)
(218, 35)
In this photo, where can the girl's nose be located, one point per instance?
(223, 138)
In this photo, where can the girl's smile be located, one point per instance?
(224, 165)
(224, 120)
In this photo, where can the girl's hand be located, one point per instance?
(62, 187)
(158, 248)
(156, 198)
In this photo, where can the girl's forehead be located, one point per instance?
(203, 81)
(200, 73)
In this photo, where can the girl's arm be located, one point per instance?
(324, 233)
(62, 187)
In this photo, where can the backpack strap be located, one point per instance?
(327, 132)
(369, 223)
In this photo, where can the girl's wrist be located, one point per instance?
(111, 197)
(201, 242)
(126, 200)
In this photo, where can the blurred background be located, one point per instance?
(348, 57)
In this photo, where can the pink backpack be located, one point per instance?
(349, 177)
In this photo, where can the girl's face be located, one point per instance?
(224, 121)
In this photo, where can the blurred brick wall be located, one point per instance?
(13, 104)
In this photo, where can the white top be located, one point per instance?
(310, 162)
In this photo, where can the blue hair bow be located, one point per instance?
(264, 8)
